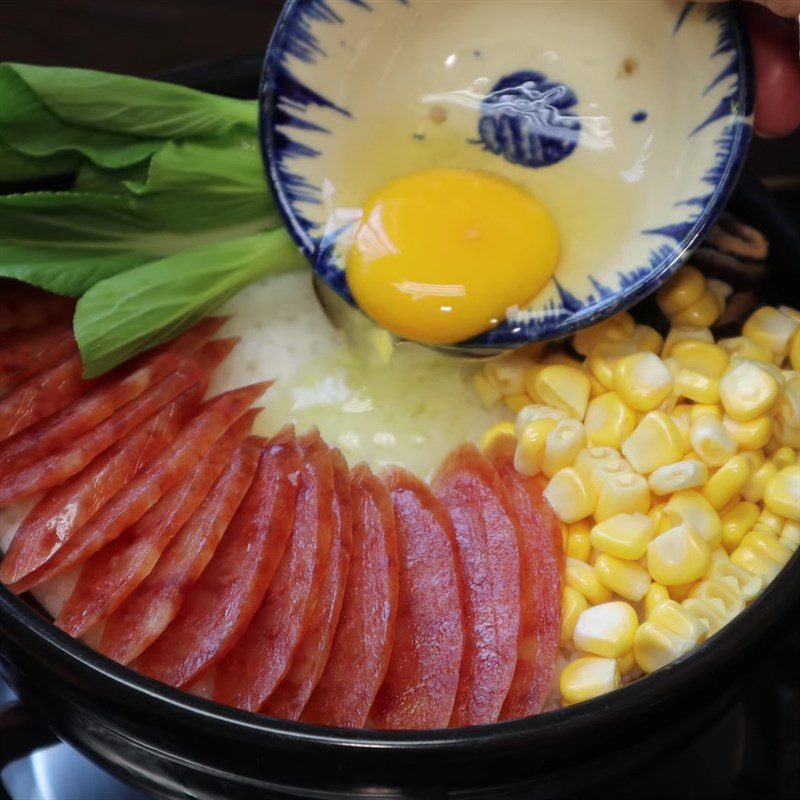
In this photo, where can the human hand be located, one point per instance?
(777, 64)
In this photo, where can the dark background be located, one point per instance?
(152, 37)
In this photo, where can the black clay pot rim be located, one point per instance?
(67, 655)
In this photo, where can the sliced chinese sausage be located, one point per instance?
(114, 571)
(142, 618)
(25, 353)
(542, 562)
(290, 697)
(213, 418)
(42, 395)
(420, 684)
(248, 675)
(363, 640)
(63, 510)
(487, 551)
(52, 470)
(61, 429)
(23, 307)
(220, 605)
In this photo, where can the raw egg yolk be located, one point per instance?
(440, 255)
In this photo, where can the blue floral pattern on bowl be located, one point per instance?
(350, 87)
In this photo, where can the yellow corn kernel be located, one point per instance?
(750, 435)
(721, 290)
(578, 540)
(745, 348)
(712, 612)
(573, 604)
(784, 457)
(731, 504)
(516, 402)
(591, 457)
(771, 329)
(648, 339)
(702, 314)
(563, 387)
(771, 520)
(595, 387)
(698, 410)
(623, 536)
(682, 290)
(680, 591)
(712, 441)
(786, 434)
(787, 408)
(582, 578)
(680, 333)
(627, 663)
(656, 441)
(676, 619)
(507, 373)
(603, 358)
(529, 455)
(790, 535)
(560, 357)
(654, 646)
(755, 457)
(570, 495)
(748, 585)
(642, 381)
(681, 475)
(656, 594)
(679, 555)
(768, 546)
(588, 677)
(782, 495)
(536, 411)
(529, 382)
(696, 386)
(719, 592)
(622, 494)
(737, 522)
(628, 579)
(620, 327)
(562, 446)
(703, 357)
(608, 421)
(487, 394)
(760, 478)
(606, 629)
(608, 469)
(692, 508)
(747, 390)
(495, 431)
(727, 481)
(794, 350)
(755, 562)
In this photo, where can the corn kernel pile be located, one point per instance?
(673, 466)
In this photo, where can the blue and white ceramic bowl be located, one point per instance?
(629, 120)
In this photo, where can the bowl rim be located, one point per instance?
(61, 652)
(506, 336)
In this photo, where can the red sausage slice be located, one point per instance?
(52, 470)
(60, 431)
(150, 483)
(23, 306)
(219, 607)
(142, 618)
(489, 562)
(42, 395)
(250, 672)
(25, 353)
(542, 561)
(420, 684)
(363, 640)
(113, 572)
(62, 511)
(290, 697)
